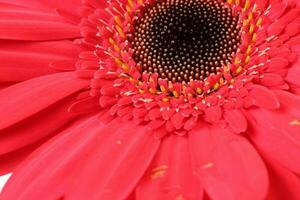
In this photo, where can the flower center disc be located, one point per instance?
(184, 40)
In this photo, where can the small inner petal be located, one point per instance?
(184, 40)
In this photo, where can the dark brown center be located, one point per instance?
(185, 40)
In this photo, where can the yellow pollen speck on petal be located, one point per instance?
(226, 68)
(152, 90)
(251, 29)
(117, 48)
(250, 16)
(239, 70)
(125, 67)
(118, 62)
(222, 81)
(254, 37)
(162, 88)
(165, 99)
(118, 21)
(180, 197)
(119, 142)
(295, 123)
(247, 60)
(246, 5)
(120, 31)
(130, 3)
(245, 22)
(175, 93)
(132, 80)
(237, 61)
(207, 165)
(190, 95)
(216, 86)
(259, 22)
(111, 41)
(230, 1)
(199, 90)
(128, 9)
(159, 172)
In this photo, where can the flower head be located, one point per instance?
(150, 99)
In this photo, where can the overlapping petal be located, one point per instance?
(85, 141)
(225, 163)
(44, 91)
(165, 178)
(26, 60)
(272, 129)
(69, 89)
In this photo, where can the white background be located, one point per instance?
(3, 180)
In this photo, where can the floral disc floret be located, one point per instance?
(172, 63)
(183, 41)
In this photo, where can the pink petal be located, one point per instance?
(35, 179)
(121, 156)
(213, 114)
(276, 132)
(70, 6)
(22, 24)
(277, 64)
(270, 79)
(293, 74)
(177, 120)
(293, 29)
(4, 85)
(24, 60)
(27, 98)
(36, 127)
(87, 105)
(9, 161)
(225, 163)
(236, 120)
(283, 183)
(170, 175)
(263, 97)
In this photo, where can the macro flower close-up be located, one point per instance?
(150, 99)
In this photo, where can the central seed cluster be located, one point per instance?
(184, 40)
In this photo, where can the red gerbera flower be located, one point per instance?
(150, 99)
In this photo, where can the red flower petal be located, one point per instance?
(170, 175)
(9, 161)
(70, 6)
(108, 152)
(45, 162)
(177, 120)
(225, 163)
(24, 60)
(277, 64)
(35, 26)
(263, 97)
(36, 127)
(269, 79)
(276, 133)
(236, 120)
(293, 74)
(283, 183)
(119, 160)
(20, 101)
(213, 114)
